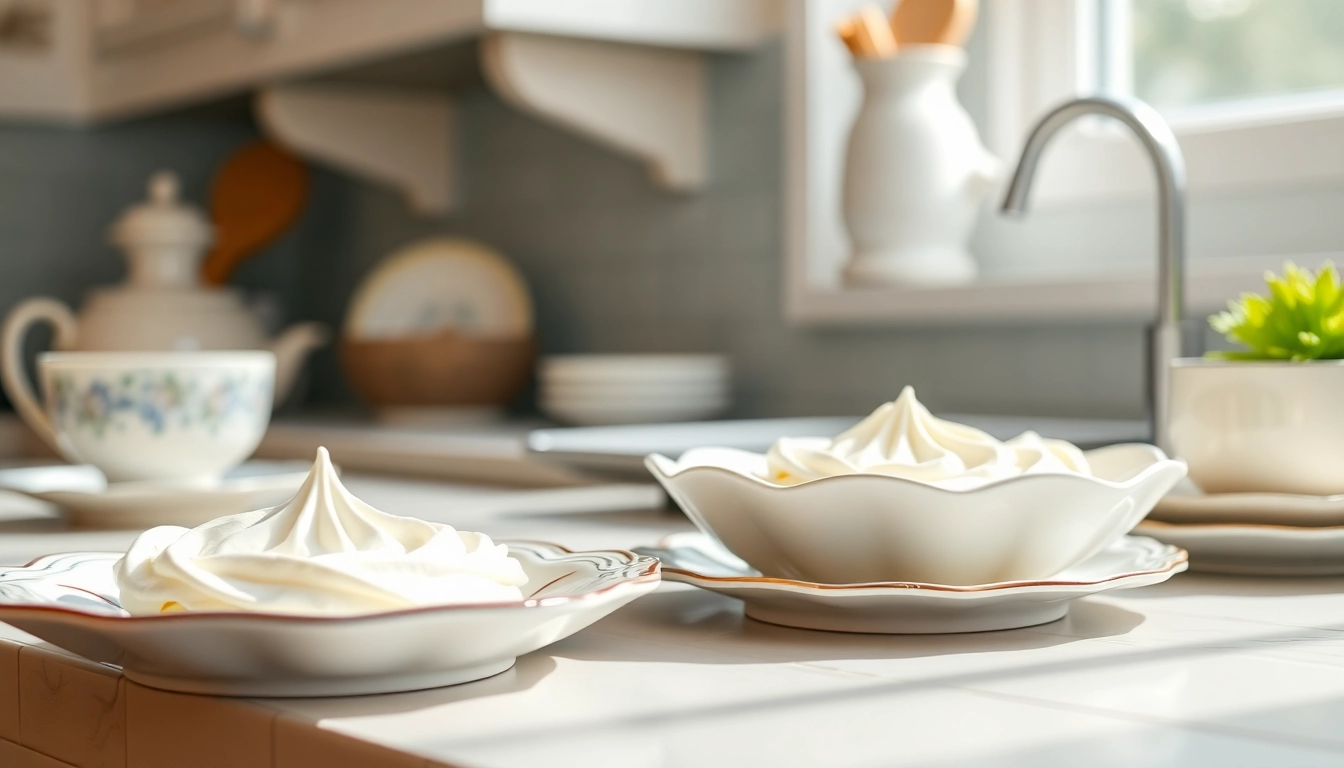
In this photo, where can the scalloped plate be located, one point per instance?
(71, 601)
(911, 608)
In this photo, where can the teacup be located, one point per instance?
(161, 416)
(1269, 427)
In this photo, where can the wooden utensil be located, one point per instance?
(868, 35)
(944, 22)
(257, 194)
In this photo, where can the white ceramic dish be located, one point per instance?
(636, 402)
(633, 368)
(601, 414)
(650, 391)
(864, 528)
(88, 501)
(908, 608)
(1187, 504)
(71, 601)
(441, 284)
(1255, 550)
(1256, 426)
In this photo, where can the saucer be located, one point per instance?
(71, 602)
(89, 501)
(1187, 504)
(910, 608)
(1255, 550)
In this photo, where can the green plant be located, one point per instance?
(1302, 318)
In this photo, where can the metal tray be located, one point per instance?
(620, 451)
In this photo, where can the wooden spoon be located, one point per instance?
(941, 22)
(868, 35)
(257, 194)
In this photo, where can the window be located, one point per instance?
(1254, 89)
(1190, 56)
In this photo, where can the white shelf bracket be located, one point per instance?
(404, 138)
(640, 100)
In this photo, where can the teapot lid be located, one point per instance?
(162, 220)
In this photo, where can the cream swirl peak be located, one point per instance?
(323, 553)
(903, 439)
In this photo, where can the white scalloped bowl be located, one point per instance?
(854, 529)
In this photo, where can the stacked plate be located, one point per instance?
(592, 390)
(1262, 534)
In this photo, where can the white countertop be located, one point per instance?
(1200, 671)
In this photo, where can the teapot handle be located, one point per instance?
(12, 371)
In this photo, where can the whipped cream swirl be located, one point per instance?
(903, 439)
(324, 553)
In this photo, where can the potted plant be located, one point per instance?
(1268, 417)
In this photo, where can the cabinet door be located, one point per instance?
(40, 58)
(123, 24)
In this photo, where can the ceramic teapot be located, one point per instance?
(162, 306)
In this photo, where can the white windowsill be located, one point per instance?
(1128, 294)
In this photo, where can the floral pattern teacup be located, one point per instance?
(182, 416)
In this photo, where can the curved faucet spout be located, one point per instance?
(1165, 153)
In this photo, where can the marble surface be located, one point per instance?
(1200, 671)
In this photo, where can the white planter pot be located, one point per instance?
(1269, 427)
(915, 172)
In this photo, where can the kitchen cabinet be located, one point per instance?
(575, 62)
(89, 60)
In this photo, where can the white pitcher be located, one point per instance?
(915, 172)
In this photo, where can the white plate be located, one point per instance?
(71, 601)
(649, 391)
(622, 403)
(633, 368)
(88, 501)
(1187, 504)
(1257, 550)
(899, 608)
(437, 285)
(601, 415)
(867, 527)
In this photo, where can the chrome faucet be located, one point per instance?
(1165, 153)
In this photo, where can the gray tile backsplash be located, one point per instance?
(615, 264)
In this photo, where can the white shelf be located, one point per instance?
(1115, 294)
(643, 101)
(707, 25)
(401, 138)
